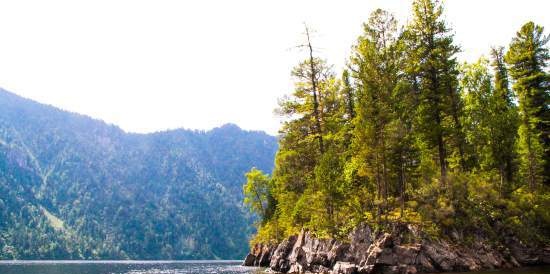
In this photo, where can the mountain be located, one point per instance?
(72, 187)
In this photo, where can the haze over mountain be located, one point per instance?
(72, 187)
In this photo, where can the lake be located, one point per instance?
(166, 267)
(124, 267)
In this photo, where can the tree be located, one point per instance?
(257, 194)
(349, 102)
(490, 118)
(313, 76)
(527, 57)
(432, 66)
(375, 64)
(505, 122)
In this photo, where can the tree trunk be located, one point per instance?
(316, 98)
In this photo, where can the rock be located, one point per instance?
(360, 239)
(298, 258)
(404, 251)
(385, 241)
(320, 269)
(265, 257)
(425, 263)
(296, 268)
(386, 257)
(279, 261)
(373, 253)
(406, 254)
(368, 269)
(337, 252)
(466, 261)
(260, 255)
(361, 236)
(249, 260)
(344, 268)
(442, 257)
(545, 255)
(408, 269)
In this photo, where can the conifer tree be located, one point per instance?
(490, 118)
(432, 63)
(375, 64)
(527, 57)
(505, 122)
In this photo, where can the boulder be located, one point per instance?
(406, 254)
(424, 263)
(337, 252)
(442, 257)
(344, 268)
(320, 269)
(249, 260)
(279, 261)
(367, 269)
(386, 257)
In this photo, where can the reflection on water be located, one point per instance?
(124, 267)
(166, 267)
(524, 270)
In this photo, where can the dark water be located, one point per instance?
(125, 267)
(167, 267)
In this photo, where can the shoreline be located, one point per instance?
(403, 251)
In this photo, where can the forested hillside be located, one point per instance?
(408, 134)
(76, 188)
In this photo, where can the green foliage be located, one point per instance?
(412, 137)
(491, 119)
(257, 193)
(76, 188)
(528, 58)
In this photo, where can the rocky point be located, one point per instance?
(405, 251)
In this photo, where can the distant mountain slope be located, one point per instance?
(73, 187)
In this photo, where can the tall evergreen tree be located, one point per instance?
(375, 62)
(505, 122)
(527, 57)
(432, 63)
(490, 118)
(349, 102)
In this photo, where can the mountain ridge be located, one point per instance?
(76, 187)
(14, 96)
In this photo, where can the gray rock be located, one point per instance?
(404, 251)
(406, 254)
(344, 268)
(320, 269)
(386, 257)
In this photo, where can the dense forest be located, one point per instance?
(408, 134)
(76, 188)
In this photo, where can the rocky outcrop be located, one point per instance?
(260, 255)
(404, 251)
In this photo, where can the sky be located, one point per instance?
(152, 65)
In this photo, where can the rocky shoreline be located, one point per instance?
(403, 251)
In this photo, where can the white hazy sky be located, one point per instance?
(150, 65)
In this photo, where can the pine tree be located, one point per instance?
(375, 63)
(490, 118)
(306, 195)
(505, 123)
(527, 57)
(432, 66)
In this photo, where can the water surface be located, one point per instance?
(125, 267)
(168, 267)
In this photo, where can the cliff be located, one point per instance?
(405, 250)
